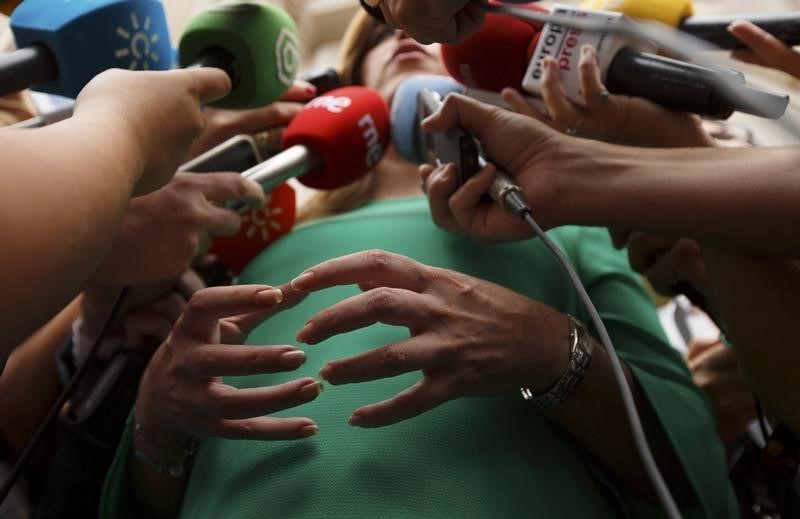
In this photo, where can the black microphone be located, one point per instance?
(714, 28)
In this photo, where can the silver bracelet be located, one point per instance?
(580, 358)
(174, 468)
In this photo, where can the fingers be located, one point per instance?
(699, 346)
(384, 362)
(190, 282)
(644, 249)
(460, 110)
(299, 91)
(439, 184)
(470, 201)
(381, 267)
(227, 402)
(521, 105)
(767, 47)
(235, 329)
(265, 429)
(220, 360)
(718, 357)
(680, 262)
(207, 306)
(207, 84)
(222, 222)
(555, 97)
(419, 398)
(594, 92)
(226, 187)
(380, 305)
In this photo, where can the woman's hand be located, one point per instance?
(182, 393)
(608, 117)
(469, 337)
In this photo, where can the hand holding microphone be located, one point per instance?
(150, 129)
(334, 140)
(613, 118)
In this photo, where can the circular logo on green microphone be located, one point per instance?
(287, 56)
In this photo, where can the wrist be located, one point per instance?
(116, 142)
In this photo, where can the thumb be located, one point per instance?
(460, 110)
(207, 83)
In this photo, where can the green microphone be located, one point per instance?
(256, 44)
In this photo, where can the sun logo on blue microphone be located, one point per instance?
(139, 44)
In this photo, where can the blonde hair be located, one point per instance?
(361, 36)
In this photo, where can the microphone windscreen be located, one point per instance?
(87, 37)
(348, 128)
(260, 39)
(406, 133)
(260, 227)
(496, 55)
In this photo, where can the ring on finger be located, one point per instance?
(575, 128)
(604, 95)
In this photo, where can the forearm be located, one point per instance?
(158, 495)
(595, 417)
(758, 299)
(31, 372)
(726, 197)
(66, 189)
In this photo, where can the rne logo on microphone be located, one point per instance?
(333, 104)
(370, 134)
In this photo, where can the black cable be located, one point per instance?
(16, 470)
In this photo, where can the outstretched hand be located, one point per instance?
(468, 337)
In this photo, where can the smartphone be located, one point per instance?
(238, 153)
(455, 146)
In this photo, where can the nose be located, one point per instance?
(400, 34)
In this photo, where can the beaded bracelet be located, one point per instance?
(174, 468)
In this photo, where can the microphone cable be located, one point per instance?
(510, 197)
(36, 439)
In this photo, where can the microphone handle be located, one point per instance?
(290, 163)
(686, 87)
(24, 67)
(714, 28)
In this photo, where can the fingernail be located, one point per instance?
(302, 281)
(304, 332)
(325, 372)
(269, 296)
(309, 430)
(293, 358)
(355, 420)
(310, 391)
(311, 90)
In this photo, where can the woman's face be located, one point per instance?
(395, 58)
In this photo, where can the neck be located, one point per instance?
(395, 177)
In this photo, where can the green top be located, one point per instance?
(471, 457)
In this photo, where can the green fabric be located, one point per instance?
(472, 457)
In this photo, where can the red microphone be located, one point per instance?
(336, 139)
(476, 62)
